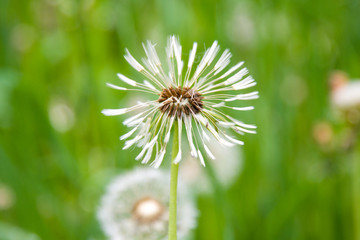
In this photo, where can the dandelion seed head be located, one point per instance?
(179, 101)
(7, 197)
(136, 206)
(345, 96)
(61, 115)
(194, 98)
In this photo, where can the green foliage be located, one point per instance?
(59, 54)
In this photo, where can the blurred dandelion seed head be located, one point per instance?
(227, 170)
(194, 98)
(135, 206)
(240, 28)
(61, 115)
(7, 197)
(345, 96)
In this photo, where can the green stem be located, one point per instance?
(173, 187)
(356, 189)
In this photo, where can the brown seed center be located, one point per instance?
(180, 100)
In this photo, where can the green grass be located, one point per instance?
(289, 188)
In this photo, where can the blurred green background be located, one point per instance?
(57, 152)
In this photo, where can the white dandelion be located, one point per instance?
(136, 207)
(347, 96)
(193, 98)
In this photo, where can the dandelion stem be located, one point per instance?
(356, 188)
(173, 187)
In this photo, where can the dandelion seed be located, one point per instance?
(136, 204)
(193, 98)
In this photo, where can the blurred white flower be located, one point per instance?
(240, 26)
(7, 197)
(345, 96)
(61, 115)
(193, 98)
(135, 206)
(348, 95)
(227, 167)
